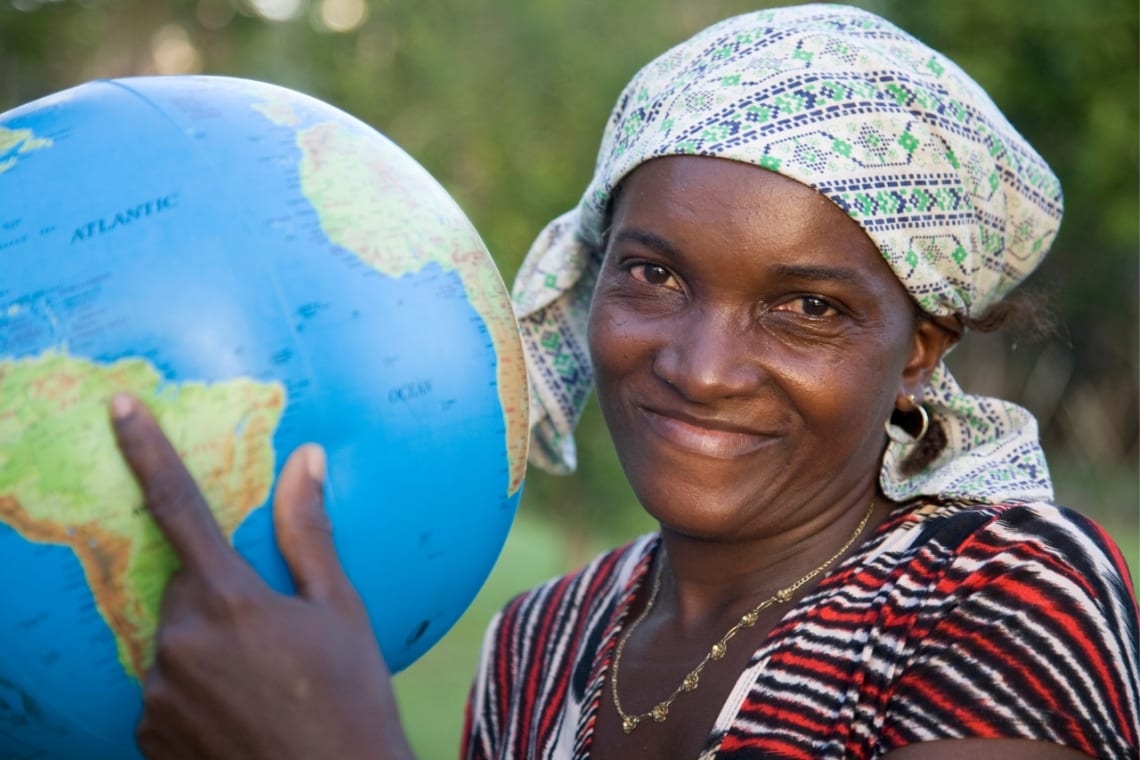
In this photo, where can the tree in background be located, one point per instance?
(504, 102)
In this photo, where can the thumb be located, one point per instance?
(303, 528)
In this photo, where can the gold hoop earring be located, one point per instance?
(906, 439)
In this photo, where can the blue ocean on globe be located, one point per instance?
(263, 270)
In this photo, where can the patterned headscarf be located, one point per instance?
(893, 133)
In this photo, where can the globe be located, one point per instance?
(262, 270)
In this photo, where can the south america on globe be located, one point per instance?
(262, 270)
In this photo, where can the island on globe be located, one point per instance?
(262, 270)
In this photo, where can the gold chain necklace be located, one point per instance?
(692, 680)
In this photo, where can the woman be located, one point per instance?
(795, 214)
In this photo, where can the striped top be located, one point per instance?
(950, 621)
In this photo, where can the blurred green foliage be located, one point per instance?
(504, 102)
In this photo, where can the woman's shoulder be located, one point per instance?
(955, 527)
(1031, 604)
(1031, 548)
(1060, 533)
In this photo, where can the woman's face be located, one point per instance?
(748, 341)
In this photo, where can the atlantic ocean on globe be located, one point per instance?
(262, 270)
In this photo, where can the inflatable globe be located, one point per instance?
(262, 270)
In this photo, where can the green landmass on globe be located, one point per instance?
(345, 178)
(261, 270)
(10, 138)
(123, 556)
(63, 482)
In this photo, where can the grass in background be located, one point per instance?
(432, 693)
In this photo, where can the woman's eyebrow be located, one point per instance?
(819, 273)
(647, 239)
(805, 272)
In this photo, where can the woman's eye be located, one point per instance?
(815, 307)
(811, 306)
(651, 274)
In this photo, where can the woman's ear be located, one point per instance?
(933, 337)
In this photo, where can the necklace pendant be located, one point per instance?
(692, 680)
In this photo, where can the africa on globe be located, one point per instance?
(262, 270)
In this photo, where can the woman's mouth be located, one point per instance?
(710, 438)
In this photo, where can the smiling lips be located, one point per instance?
(711, 438)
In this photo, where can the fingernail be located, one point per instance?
(316, 462)
(122, 406)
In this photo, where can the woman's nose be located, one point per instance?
(711, 355)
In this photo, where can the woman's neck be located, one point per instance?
(704, 580)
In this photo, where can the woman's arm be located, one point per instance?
(984, 749)
(240, 670)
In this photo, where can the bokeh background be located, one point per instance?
(504, 102)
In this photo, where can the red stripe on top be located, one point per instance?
(902, 643)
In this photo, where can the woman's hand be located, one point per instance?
(240, 670)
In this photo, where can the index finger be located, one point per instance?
(171, 496)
